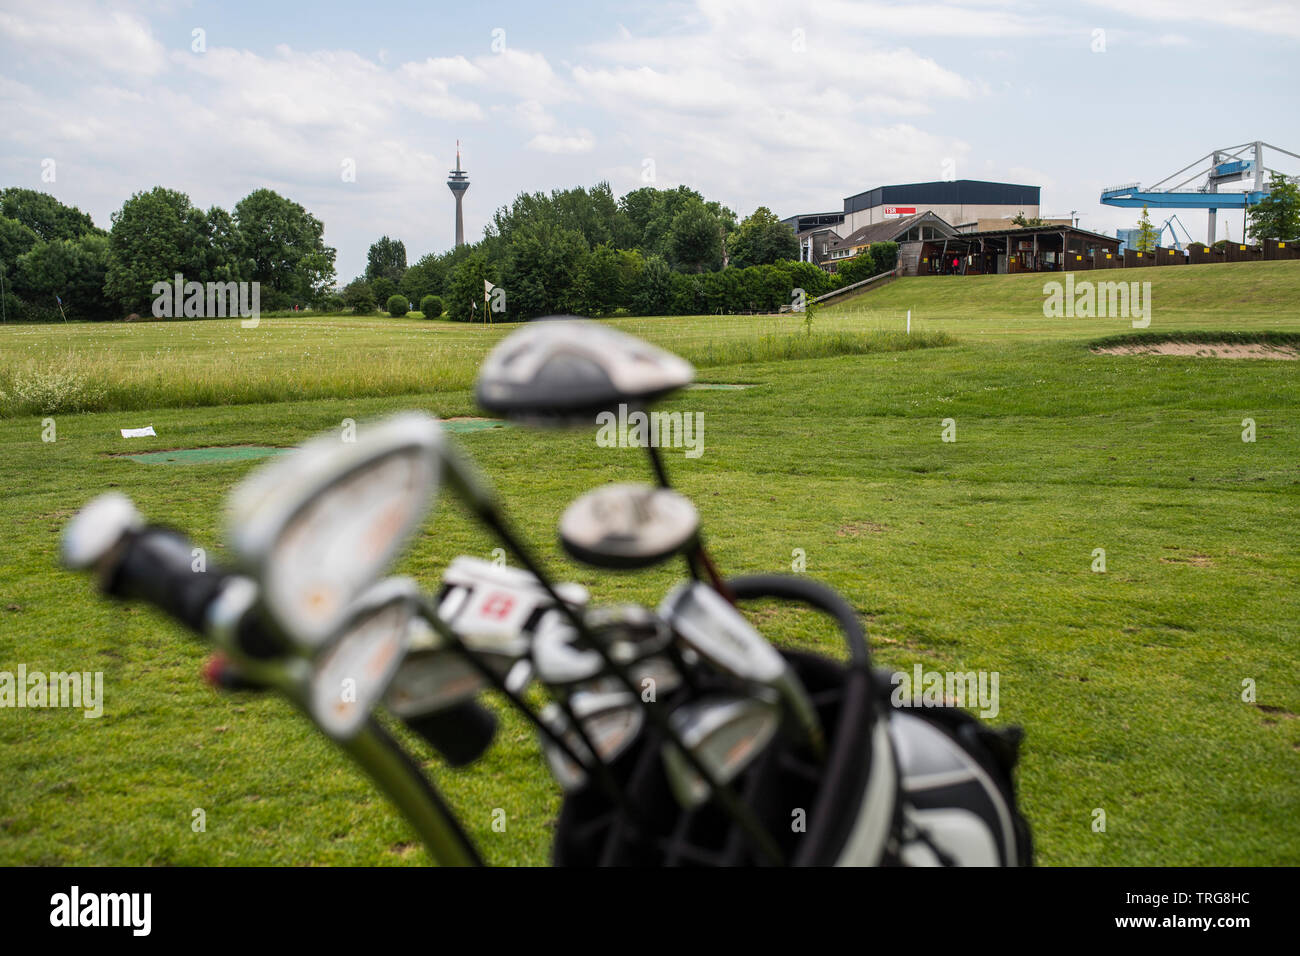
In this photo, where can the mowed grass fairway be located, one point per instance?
(971, 555)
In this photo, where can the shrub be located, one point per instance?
(885, 255)
(398, 306)
(862, 266)
(63, 387)
(359, 297)
(431, 306)
(331, 304)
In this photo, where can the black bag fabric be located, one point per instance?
(900, 787)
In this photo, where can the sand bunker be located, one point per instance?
(1257, 350)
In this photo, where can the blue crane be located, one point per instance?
(1218, 167)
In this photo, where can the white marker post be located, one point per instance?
(909, 321)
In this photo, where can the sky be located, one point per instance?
(354, 110)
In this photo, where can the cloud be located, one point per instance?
(580, 141)
(754, 100)
(84, 37)
(1280, 17)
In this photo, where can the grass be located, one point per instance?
(1245, 296)
(973, 555)
(188, 364)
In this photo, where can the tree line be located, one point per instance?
(583, 251)
(54, 261)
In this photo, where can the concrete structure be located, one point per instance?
(458, 183)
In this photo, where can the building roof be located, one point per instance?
(888, 230)
(1030, 230)
(955, 192)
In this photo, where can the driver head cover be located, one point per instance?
(570, 369)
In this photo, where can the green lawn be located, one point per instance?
(968, 555)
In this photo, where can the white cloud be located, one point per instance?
(83, 36)
(580, 141)
(1280, 17)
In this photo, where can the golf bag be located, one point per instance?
(925, 787)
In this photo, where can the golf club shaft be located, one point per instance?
(389, 766)
(700, 555)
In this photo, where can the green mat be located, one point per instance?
(204, 456)
(224, 453)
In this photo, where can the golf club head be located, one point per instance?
(628, 526)
(714, 629)
(725, 733)
(566, 370)
(318, 525)
(611, 721)
(634, 635)
(349, 677)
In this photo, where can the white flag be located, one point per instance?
(487, 289)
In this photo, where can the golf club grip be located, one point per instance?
(157, 566)
(460, 734)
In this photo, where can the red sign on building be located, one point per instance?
(894, 212)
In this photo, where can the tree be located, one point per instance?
(426, 277)
(541, 269)
(384, 288)
(655, 289)
(359, 297)
(15, 239)
(465, 288)
(598, 288)
(154, 236)
(696, 238)
(71, 270)
(1020, 220)
(1277, 215)
(45, 215)
(386, 259)
(284, 248)
(1147, 235)
(761, 240)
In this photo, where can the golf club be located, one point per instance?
(565, 370)
(627, 526)
(726, 733)
(611, 722)
(714, 629)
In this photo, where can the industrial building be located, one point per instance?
(912, 212)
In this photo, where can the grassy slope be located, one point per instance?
(973, 555)
(1244, 296)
